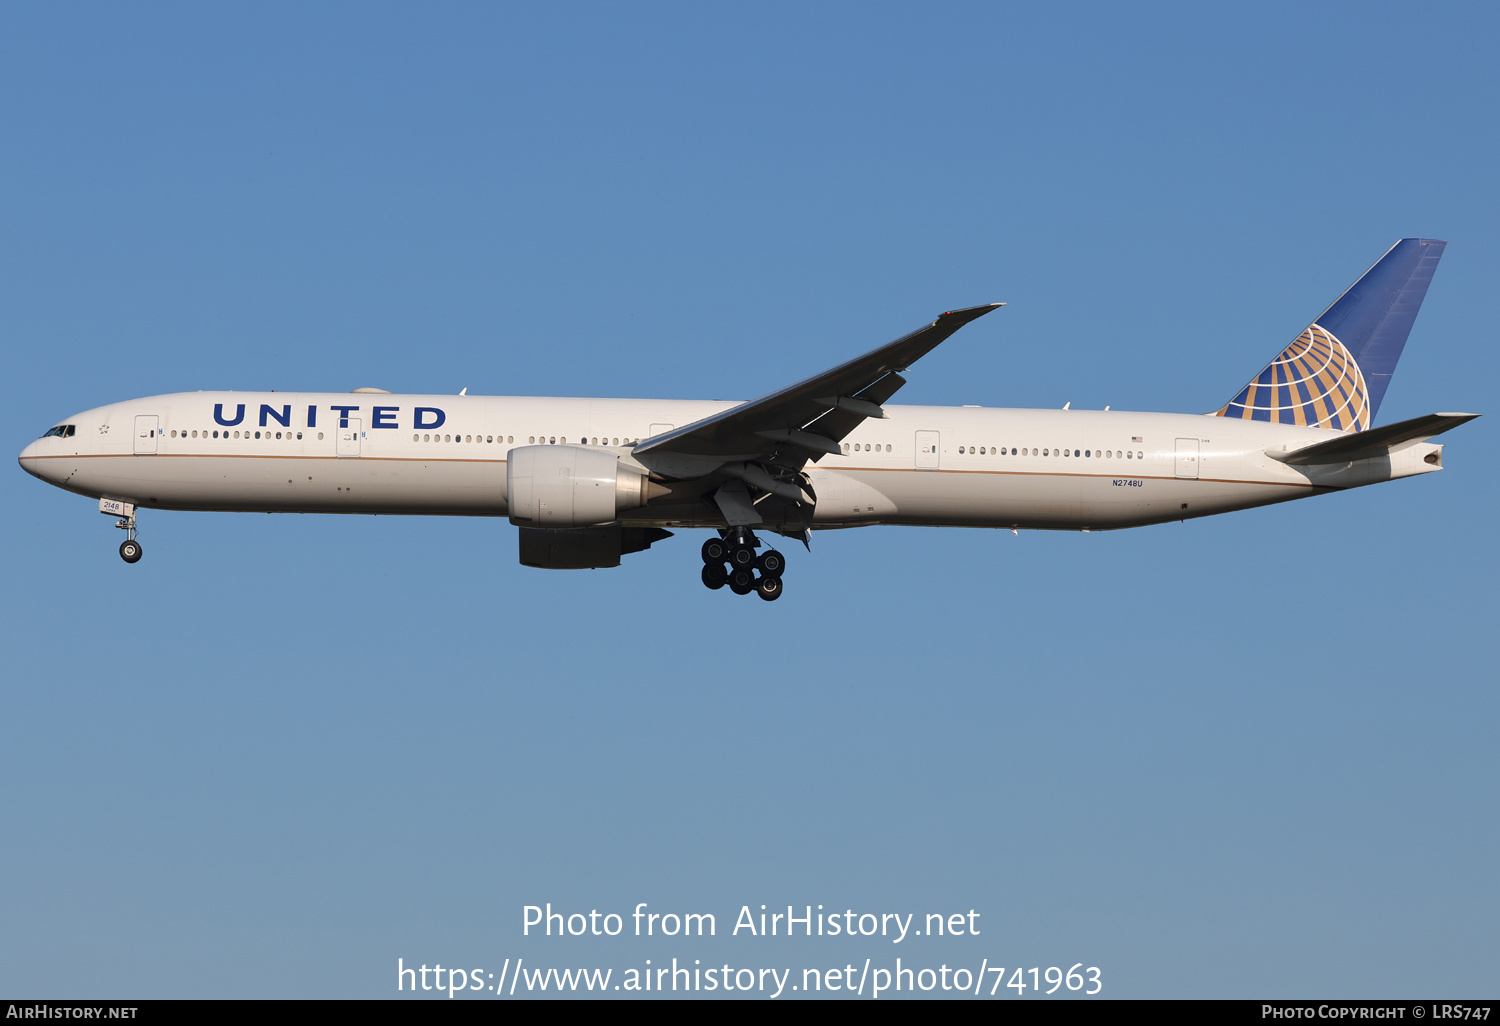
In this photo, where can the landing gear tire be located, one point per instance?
(746, 572)
(130, 550)
(771, 563)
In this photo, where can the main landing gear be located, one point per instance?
(731, 560)
(130, 549)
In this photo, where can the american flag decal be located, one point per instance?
(1136, 438)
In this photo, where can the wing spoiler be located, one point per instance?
(1364, 445)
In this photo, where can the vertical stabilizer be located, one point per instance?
(1335, 373)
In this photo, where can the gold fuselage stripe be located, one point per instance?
(840, 470)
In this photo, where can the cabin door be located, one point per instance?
(929, 450)
(145, 435)
(349, 437)
(1187, 457)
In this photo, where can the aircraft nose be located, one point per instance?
(31, 463)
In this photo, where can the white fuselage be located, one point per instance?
(924, 465)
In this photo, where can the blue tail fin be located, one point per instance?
(1336, 372)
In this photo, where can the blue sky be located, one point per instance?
(1251, 755)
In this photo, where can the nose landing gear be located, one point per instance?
(745, 572)
(130, 549)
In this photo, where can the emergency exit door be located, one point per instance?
(349, 437)
(145, 434)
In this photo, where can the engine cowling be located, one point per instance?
(553, 487)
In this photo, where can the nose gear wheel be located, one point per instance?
(130, 549)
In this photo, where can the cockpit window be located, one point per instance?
(61, 431)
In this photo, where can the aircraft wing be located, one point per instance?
(806, 420)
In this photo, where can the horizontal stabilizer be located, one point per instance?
(1375, 441)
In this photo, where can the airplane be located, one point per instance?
(588, 481)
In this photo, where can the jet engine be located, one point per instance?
(553, 487)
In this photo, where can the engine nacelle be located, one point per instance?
(560, 486)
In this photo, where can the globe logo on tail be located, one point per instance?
(1315, 382)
